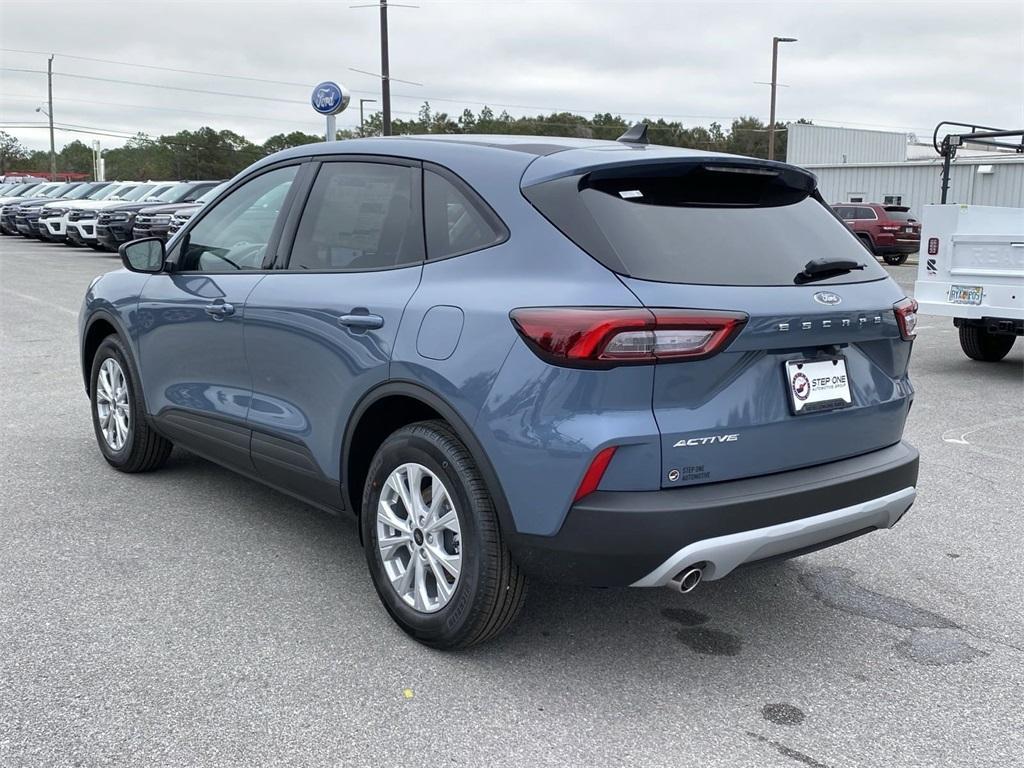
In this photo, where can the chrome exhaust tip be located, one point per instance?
(688, 580)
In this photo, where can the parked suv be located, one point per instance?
(12, 205)
(888, 231)
(115, 222)
(155, 220)
(594, 362)
(81, 221)
(46, 212)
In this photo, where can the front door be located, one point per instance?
(195, 375)
(320, 332)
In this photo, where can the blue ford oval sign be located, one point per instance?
(329, 98)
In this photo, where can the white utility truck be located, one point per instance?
(972, 270)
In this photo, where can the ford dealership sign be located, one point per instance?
(329, 98)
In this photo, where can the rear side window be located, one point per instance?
(457, 221)
(865, 213)
(743, 227)
(360, 216)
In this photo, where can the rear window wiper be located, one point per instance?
(822, 269)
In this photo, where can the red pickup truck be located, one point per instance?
(888, 231)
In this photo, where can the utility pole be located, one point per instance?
(775, 68)
(385, 67)
(385, 75)
(49, 90)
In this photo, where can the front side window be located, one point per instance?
(360, 216)
(456, 221)
(235, 233)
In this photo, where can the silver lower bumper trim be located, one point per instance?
(724, 553)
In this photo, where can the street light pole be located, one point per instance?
(362, 120)
(775, 69)
(49, 114)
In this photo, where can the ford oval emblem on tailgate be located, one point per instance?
(828, 298)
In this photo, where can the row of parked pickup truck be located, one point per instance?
(100, 214)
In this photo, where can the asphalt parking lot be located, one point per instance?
(191, 617)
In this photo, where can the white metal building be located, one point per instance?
(853, 165)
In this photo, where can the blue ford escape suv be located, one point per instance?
(603, 363)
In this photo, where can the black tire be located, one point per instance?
(143, 450)
(491, 589)
(895, 259)
(979, 344)
(95, 246)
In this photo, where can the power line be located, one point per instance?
(426, 97)
(26, 97)
(163, 69)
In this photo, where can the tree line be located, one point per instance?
(210, 154)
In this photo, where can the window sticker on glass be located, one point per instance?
(628, 194)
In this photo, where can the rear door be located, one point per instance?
(320, 330)
(817, 371)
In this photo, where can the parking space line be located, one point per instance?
(36, 300)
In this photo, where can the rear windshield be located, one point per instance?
(898, 215)
(693, 228)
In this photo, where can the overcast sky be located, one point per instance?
(891, 66)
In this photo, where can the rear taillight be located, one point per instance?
(890, 228)
(605, 337)
(906, 317)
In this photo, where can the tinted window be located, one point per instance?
(62, 190)
(457, 221)
(360, 216)
(85, 190)
(844, 211)
(235, 232)
(113, 191)
(865, 213)
(898, 215)
(658, 232)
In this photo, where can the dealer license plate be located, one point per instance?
(965, 294)
(818, 385)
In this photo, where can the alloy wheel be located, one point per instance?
(419, 538)
(112, 406)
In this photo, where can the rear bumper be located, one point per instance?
(1000, 299)
(645, 538)
(899, 246)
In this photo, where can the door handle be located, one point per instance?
(220, 309)
(361, 319)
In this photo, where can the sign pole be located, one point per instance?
(332, 132)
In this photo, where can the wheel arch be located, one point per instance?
(99, 325)
(406, 402)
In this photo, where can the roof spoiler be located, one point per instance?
(635, 135)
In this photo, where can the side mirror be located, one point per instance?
(145, 255)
